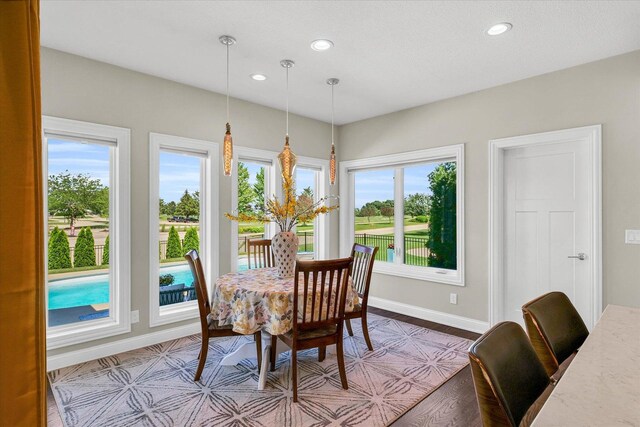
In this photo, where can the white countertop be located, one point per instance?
(601, 387)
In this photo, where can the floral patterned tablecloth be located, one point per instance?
(258, 299)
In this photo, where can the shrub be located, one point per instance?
(163, 228)
(191, 240)
(250, 229)
(166, 279)
(174, 247)
(84, 254)
(421, 218)
(59, 251)
(105, 252)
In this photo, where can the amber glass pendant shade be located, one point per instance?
(227, 152)
(287, 160)
(332, 166)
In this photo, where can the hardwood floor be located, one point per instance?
(453, 404)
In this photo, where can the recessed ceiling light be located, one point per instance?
(258, 77)
(500, 28)
(321, 44)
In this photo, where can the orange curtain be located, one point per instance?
(22, 327)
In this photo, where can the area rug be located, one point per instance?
(154, 386)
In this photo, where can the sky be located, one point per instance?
(178, 173)
(304, 177)
(77, 157)
(375, 185)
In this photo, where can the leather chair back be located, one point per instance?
(555, 328)
(507, 374)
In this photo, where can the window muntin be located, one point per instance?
(418, 251)
(88, 292)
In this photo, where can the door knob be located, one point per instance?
(581, 256)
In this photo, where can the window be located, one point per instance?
(86, 171)
(257, 177)
(182, 214)
(410, 206)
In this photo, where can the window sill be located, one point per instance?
(426, 274)
(175, 313)
(78, 333)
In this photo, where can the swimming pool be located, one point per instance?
(88, 290)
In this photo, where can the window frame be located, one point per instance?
(209, 227)
(321, 237)
(119, 320)
(398, 162)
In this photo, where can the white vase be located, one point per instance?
(285, 247)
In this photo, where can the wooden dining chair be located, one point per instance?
(510, 382)
(318, 313)
(260, 251)
(363, 258)
(556, 331)
(209, 326)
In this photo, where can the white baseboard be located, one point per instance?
(103, 350)
(456, 321)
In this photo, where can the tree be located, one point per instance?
(170, 208)
(84, 253)
(105, 252)
(188, 205)
(258, 192)
(417, 204)
(191, 240)
(387, 211)
(174, 247)
(245, 192)
(368, 211)
(72, 196)
(305, 199)
(442, 221)
(162, 208)
(59, 251)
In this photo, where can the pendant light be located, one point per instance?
(227, 146)
(286, 158)
(332, 159)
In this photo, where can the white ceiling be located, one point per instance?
(388, 55)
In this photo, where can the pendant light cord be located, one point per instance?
(332, 140)
(287, 91)
(227, 83)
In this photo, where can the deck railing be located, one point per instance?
(415, 248)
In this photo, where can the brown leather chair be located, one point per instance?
(363, 258)
(318, 313)
(260, 251)
(210, 327)
(510, 381)
(556, 331)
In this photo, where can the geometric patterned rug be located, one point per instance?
(154, 386)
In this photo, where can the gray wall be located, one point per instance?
(81, 89)
(606, 92)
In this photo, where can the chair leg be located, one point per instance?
(341, 367)
(258, 337)
(348, 322)
(272, 353)
(365, 331)
(322, 353)
(294, 373)
(203, 358)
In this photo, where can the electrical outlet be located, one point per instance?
(135, 316)
(453, 298)
(632, 237)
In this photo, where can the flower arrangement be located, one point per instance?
(291, 211)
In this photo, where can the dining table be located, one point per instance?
(259, 300)
(601, 386)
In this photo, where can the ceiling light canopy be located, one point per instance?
(258, 77)
(321, 44)
(500, 28)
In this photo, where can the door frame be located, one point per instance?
(497, 147)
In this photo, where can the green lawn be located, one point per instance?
(363, 223)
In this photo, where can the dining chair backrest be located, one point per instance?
(555, 328)
(363, 258)
(260, 251)
(507, 374)
(199, 282)
(323, 291)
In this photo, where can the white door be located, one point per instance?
(548, 224)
